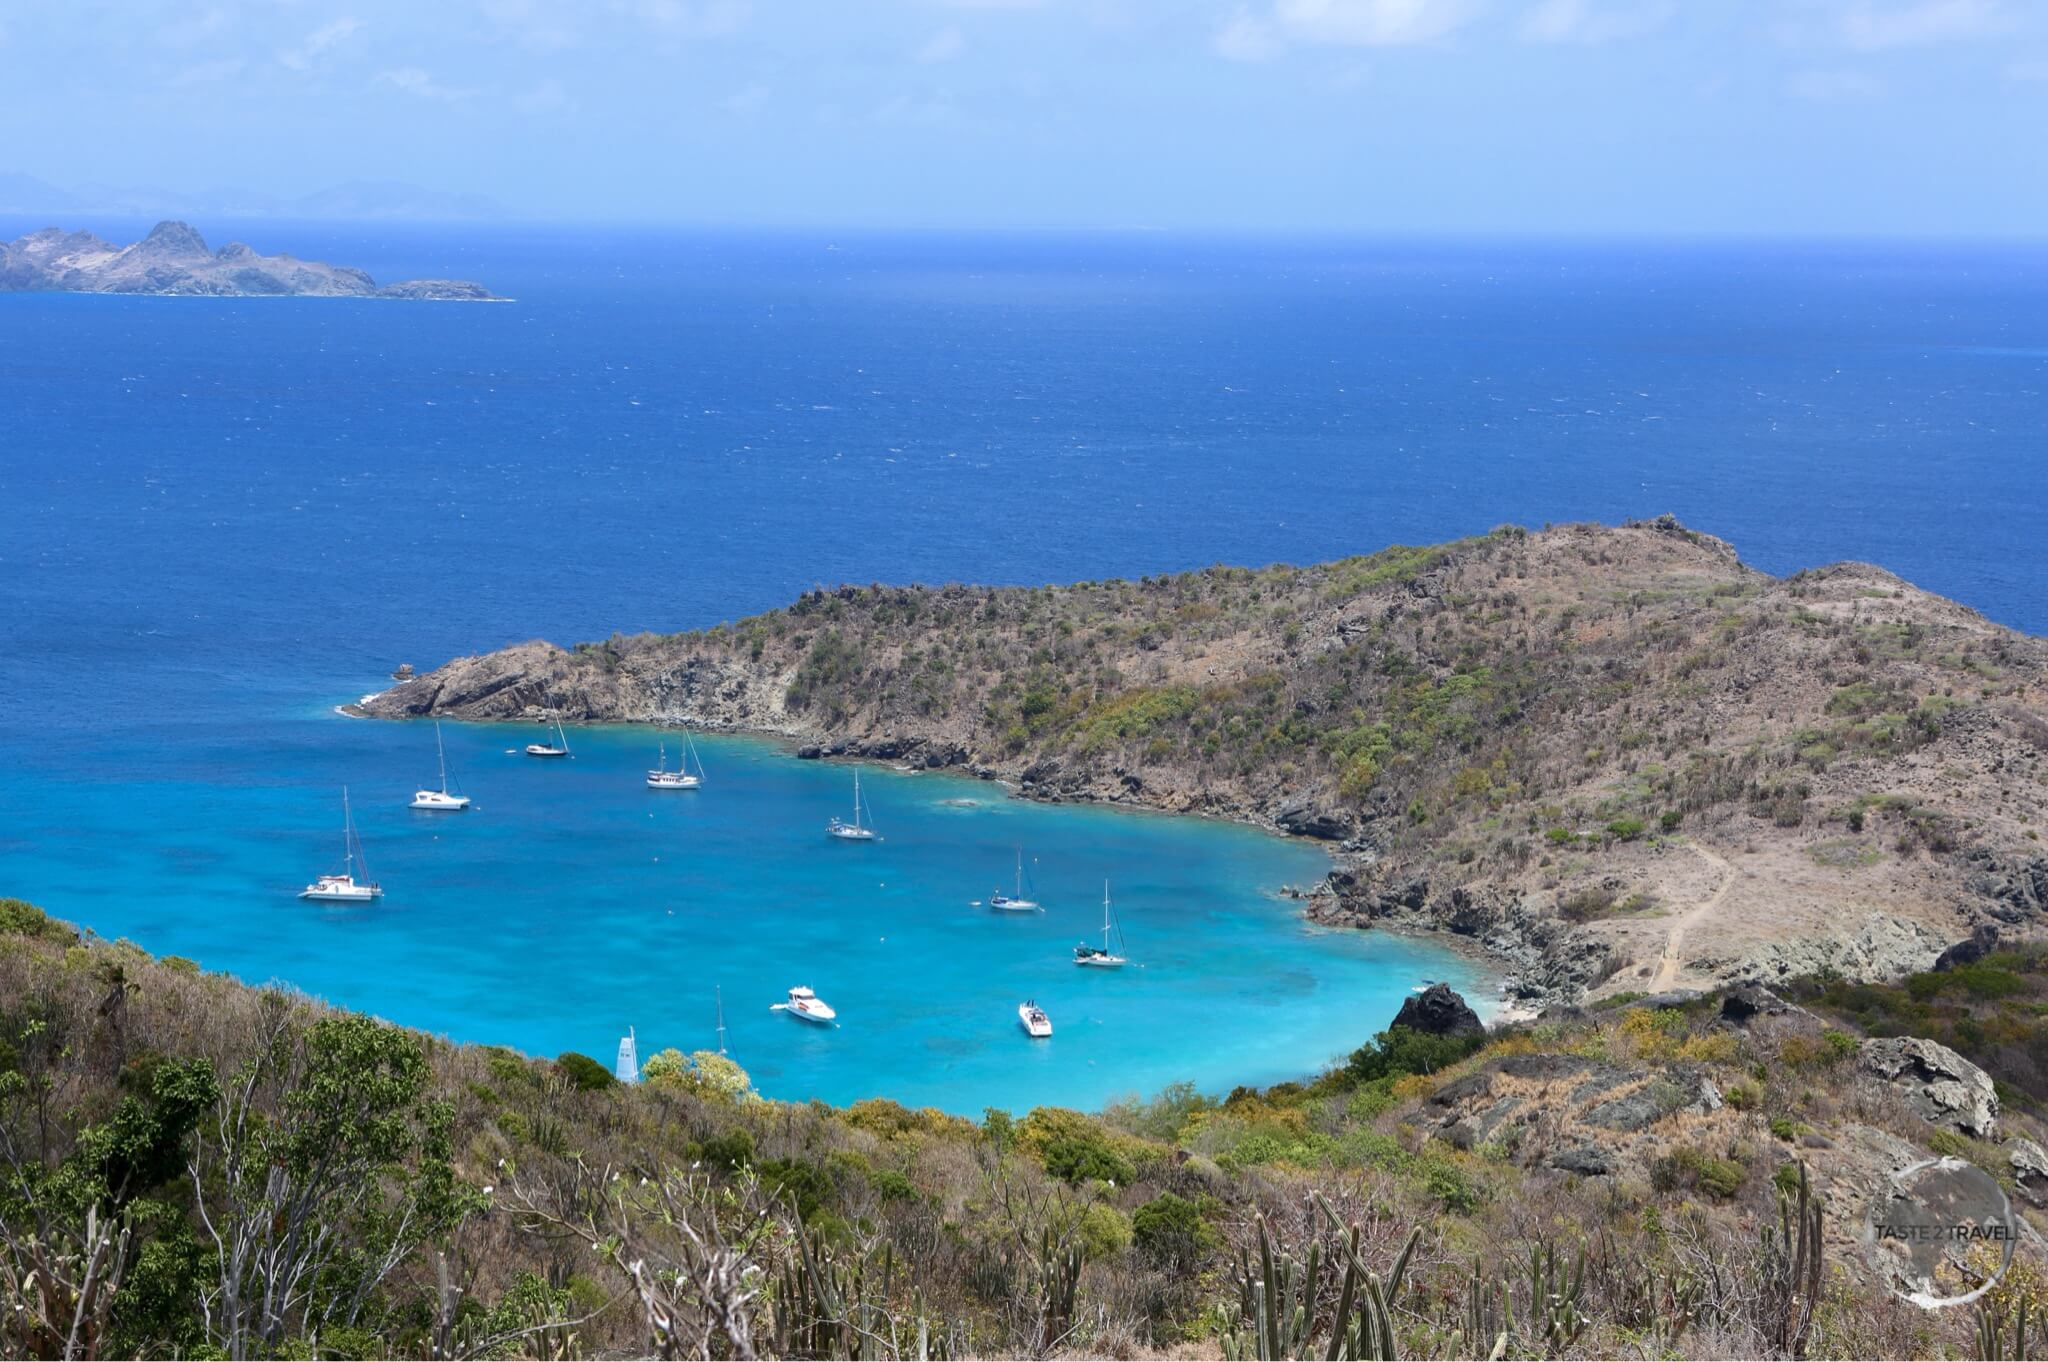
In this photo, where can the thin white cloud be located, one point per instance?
(1869, 28)
(414, 81)
(1582, 21)
(945, 45)
(302, 57)
(1246, 38)
(1253, 35)
(1371, 23)
(1833, 87)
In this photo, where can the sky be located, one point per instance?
(1687, 117)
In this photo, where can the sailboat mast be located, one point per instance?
(856, 797)
(1020, 872)
(348, 836)
(441, 749)
(1105, 915)
(719, 993)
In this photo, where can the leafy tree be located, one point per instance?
(586, 1073)
(1402, 1050)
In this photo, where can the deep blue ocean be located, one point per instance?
(221, 518)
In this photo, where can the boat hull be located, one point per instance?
(1100, 962)
(433, 801)
(536, 750)
(671, 783)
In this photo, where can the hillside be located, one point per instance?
(1617, 755)
(175, 260)
(197, 1168)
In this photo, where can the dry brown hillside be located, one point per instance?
(1616, 754)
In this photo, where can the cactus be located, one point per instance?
(1992, 1343)
(1277, 1302)
(1790, 1269)
(827, 1308)
(1554, 1298)
(1059, 1280)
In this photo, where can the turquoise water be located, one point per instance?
(573, 902)
(217, 512)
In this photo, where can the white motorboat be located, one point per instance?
(1036, 1024)
(859, 829)
(805, 1005)
(441, 800)
(1103, 957)
(661, 778)
(558, 748)
(345, 888)
(1015, 903)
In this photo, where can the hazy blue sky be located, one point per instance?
(1867, 116)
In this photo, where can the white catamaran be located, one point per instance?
(1015, 903)
(343, 888)
(858, 830)
(440, 800)
(682, 778)
(1104, 958)
(558, 748)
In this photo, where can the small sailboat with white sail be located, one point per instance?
(627, 1070)
(1034, 1021)
(1015, 903)
(1103, 957)
(558, 748)
(442, 800)
(682, 778)
(805, 1005)
(861, 829)
(345, 888)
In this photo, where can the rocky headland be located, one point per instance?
(1616, 757)
(174, 260)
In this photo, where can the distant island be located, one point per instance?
(174, 260)
(1618, 757)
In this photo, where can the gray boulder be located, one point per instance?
(2029, 1170)
(1440, 1011)
(1939, 1084)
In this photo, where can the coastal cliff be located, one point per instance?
(1617, 756)
(174, 260)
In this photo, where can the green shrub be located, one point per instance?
(1625, 829)
(1074, 1148)
(18, 917)
(1170, 1232)
(584, 1072)
(1669, 820)
(1402, 1050)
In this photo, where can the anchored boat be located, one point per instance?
(805, 1005)
(1103, 958)
(441, 800)
(344, 888)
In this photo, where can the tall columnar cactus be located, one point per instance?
(1278, 1301)
(1790, 1269)
(1993, 1343)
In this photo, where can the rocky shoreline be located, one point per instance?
(1614, 759)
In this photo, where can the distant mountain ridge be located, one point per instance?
(356, 199)
(175, 260)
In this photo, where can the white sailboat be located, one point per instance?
(805, 1005)
(343, 888)
(858, 830)
(1034, 1021)
(627, 1070)
(558, 748)
(1103, 958)
(440, 801)
(1015, 903)
(661, 778)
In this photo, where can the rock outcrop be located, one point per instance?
(1440, 1011)
(174, 260)
(1939, 1084)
